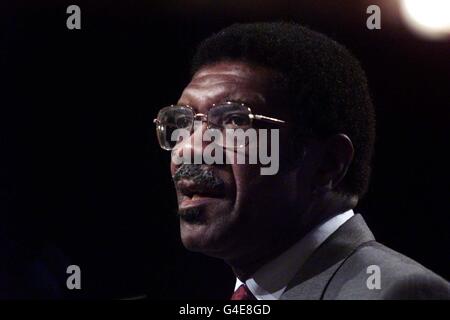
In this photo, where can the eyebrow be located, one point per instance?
(252, 102)
(224, 100)
(255, 98)
(229, 98)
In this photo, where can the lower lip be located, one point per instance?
(195, 201)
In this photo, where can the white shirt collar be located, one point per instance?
(270, 281)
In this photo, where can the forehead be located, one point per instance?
(227, 81)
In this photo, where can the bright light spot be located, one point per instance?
(428, 17)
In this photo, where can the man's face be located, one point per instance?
(225, 209)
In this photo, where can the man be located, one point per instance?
(293, 234)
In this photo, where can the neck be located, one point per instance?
(274, 245)
(245, 266)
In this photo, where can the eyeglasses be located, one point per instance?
(229, 115)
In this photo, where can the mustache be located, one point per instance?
(200, 174)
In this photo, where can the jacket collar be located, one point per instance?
(311, 280)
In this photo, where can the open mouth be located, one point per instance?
(194, 194)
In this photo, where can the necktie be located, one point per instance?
(243, 293)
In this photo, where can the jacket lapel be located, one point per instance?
(313, 277)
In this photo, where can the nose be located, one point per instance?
(190, 149)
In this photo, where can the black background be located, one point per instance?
(80, 168)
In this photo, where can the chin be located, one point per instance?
(205, 231)
(199, 238)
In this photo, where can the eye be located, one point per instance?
(182, 122)
(236, 120)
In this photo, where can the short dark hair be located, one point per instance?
(326, 85)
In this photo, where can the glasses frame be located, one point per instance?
(204, 117)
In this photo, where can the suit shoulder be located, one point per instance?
(374, 271)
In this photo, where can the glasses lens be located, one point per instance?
(170, 119)
(230, 116)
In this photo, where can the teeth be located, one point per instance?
(186, 196)
(191, 196)
(196, 196)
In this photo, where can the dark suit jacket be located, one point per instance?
(338, 270)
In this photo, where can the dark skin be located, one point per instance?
(257, 217)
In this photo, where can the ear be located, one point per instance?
(337, 155)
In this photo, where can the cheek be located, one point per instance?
(264, 192)
(245, 176)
